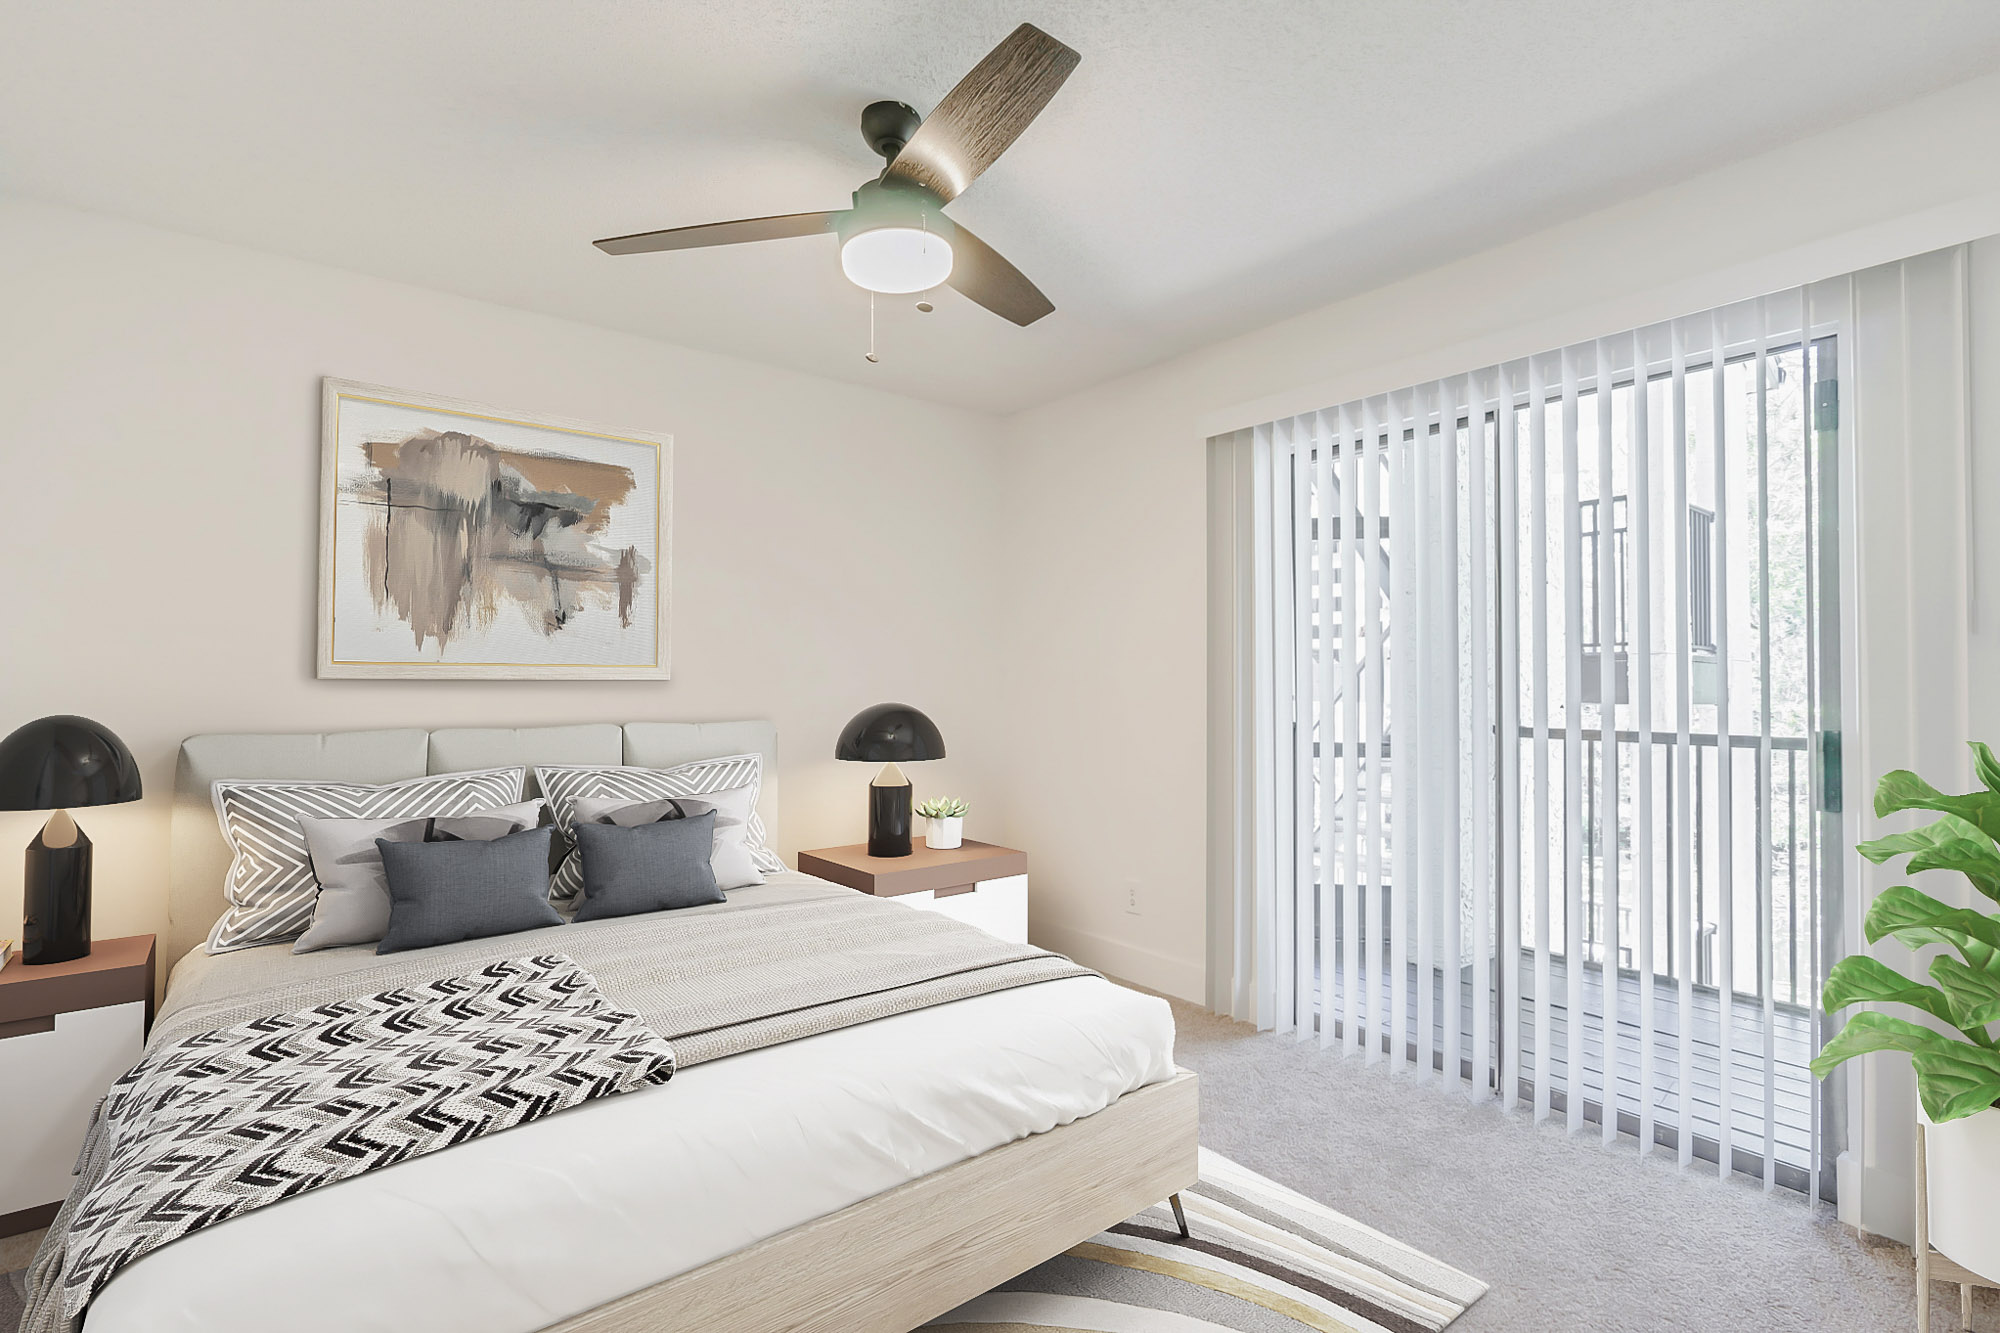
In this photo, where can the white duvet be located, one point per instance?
(519, 1230)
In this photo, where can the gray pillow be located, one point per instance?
(735, 865)
(649, 868)
(444, 892)
(564, 784)
(352, 906)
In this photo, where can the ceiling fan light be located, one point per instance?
(896, 260)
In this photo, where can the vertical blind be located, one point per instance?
(1534, 656)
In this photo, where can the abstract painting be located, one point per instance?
(463, 541)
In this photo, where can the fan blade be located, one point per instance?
(985, 112)
(978, 271)
(719, 233)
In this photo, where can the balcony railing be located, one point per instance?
(1788, 925)
(1786, 922)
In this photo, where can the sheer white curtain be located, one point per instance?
(1520, 677)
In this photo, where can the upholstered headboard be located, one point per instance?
(199, 857)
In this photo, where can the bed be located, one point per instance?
(868, 1176)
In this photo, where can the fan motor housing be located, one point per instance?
(887, 126)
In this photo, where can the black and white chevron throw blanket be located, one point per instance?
(217, 1123)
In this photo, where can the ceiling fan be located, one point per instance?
(896, 238)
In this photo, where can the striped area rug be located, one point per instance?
(1262, 1259)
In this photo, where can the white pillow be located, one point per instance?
(270, 884)
(352, 905)
(730, 857)
(565, 784)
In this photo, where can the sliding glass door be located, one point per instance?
(1559, 653)
(1699, 598)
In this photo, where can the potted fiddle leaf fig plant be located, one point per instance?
(944, 822)
(1957, 1061)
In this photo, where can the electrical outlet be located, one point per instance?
(1132, 896)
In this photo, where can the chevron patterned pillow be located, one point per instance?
(270, 884)
(563, 785)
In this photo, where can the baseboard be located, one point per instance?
(29, 1219)
(1182, 978)
(1878, 1200)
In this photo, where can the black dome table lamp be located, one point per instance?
(56, 763)
(889, 734)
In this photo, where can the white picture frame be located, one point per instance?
(531, 547)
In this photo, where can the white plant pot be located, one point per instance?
(941, 835)
(1962, 1176)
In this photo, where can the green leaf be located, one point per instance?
(1984, 764)
(1974, 994)
(1950, 843)
(1859, 979)
(1868, 1031)
(1919, 840)
(1977, 861)
(1904, 790)
(1955, 1080)
(1917, 918)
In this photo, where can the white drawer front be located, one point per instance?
(49, 1085)
(997, 906)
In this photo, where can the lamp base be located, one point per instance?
(889, 819)
(56, 905)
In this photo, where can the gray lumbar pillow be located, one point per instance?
(352, 905)
(444, 892)
(735, 866)
(650, 868)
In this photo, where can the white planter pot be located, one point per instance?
(1962, 1176)
(941, 835)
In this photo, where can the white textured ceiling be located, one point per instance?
(1210, 167)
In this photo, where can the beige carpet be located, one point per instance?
(1571, 1235)
(15, 1251)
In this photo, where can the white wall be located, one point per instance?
(159, 448)
(1105, 574)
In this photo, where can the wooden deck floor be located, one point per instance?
(1793, 1084)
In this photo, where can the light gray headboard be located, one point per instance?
(199, 857)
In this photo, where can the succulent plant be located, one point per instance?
(943, 807)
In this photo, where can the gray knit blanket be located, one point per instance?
(213, 1124)
(785, 960)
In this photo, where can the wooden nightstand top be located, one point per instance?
(113, 972)
(922, 870)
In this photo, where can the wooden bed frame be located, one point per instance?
(884, 1265)
(890, 1263)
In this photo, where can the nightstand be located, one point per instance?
(67, 1032)
(977, 883)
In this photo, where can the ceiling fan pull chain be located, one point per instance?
(872, 358)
